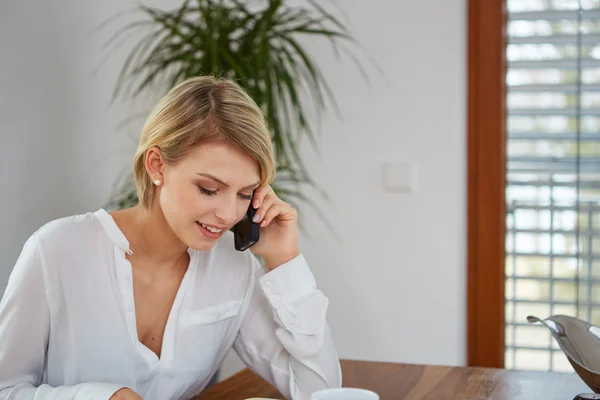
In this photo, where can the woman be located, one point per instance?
(145, 302)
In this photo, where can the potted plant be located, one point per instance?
(257, 44)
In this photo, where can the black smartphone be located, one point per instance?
(246, 232)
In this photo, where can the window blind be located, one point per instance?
(553, 173)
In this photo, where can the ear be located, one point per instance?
(154, 164)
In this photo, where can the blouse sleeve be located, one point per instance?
(24, 331)
(284, 336)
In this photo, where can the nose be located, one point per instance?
(226, 211)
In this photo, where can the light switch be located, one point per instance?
(399, 177)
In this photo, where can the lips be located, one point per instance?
(210, 231)
(211, 228)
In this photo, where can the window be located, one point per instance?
(553, 174)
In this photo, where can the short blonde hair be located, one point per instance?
(199, 110)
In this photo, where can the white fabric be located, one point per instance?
(68, 330)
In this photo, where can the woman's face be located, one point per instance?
(206, 193)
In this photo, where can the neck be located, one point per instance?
(150, 237)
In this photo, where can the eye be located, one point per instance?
(207, 192)
(245, 196)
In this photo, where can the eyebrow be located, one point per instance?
(214, 178)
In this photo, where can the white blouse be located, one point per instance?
(68, 326)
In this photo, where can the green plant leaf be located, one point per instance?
(255, 44)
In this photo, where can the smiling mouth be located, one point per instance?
(211, 229)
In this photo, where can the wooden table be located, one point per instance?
(415, 382)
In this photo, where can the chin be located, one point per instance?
(198, 240)
(200, 245)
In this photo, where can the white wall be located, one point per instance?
(396, 281)
(61, 150)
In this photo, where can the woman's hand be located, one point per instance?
(278, 221)
(125, 394)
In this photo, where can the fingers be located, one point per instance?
(268, 207)
(280, 210)
(259, 195)
(264, 205)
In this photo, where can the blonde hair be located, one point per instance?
(200, 110)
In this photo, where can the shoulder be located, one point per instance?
(62, 244)
(68, 230)
(71, 239)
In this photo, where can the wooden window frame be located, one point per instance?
(486, 180)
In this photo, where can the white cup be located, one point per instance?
(344, 394)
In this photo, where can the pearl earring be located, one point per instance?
(157, 182)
